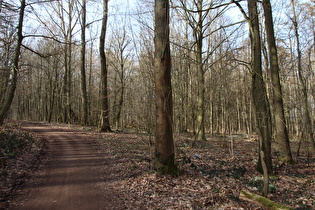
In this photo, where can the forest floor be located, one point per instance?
(74, 167)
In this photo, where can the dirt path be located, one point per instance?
(73, 177)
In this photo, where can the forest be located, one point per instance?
(180, 73)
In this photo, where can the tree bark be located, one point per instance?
(259, 93)
(122, 89)
(122, 43)
(105, 127)
(200, 74)
(164, 146)
(305, 95)
(11, 91)
(68, 35)
(65, 83)
(83, 72)
(281, 132)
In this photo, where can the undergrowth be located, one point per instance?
(13, 142)
(20, 153)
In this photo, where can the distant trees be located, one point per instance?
(7, 32)
(11, 79)
(65, 12)
(59, 68)
(118, 61)
(308, 122)
(199, 45)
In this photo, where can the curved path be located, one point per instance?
(73, 177)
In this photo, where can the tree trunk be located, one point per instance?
(200, 76)
(307, 111)
(261, 201)
(122, 89)
(259, 93)
(105, 127)
(68, 29)
(281, 132)
(11, 91)
(164, 146)
(83, 72)
(122, 44)
(65, 84)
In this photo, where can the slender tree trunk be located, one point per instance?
(200, 76)
(65, 84)
(121, 75)
(307, 112)
(9, 98)
(164, 146)
(70, 36)
(68, 61)
(90, 84)
(122, 89)
(259, 93)
(281, 132)
(105, 127)
(83, 72)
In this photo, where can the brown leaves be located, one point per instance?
(211, 178)
(21, 152)
(183, 192)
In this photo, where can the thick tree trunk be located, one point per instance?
(281, 132)
(105, 127)
(164, 146)
(259, 93)
(83, 72)
(11, 91)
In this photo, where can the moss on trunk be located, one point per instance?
(262, 201)
(167, 166)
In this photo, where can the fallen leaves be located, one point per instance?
(22, 152)
(211, 177)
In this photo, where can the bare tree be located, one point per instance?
(195, 19)
(7, 43)
(164, 146)
(259, 94)
(118, 61)
(11, 91)
(281, 132)
(83, 72)
(105, 127)
(307, 113)
(202, 20)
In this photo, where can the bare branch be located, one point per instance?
(37, 53)
(49, 37)
(40, 2)
(207, 9)
(241, 8)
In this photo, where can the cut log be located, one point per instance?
(262, 201)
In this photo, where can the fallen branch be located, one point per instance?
(262, 201)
